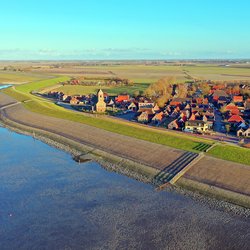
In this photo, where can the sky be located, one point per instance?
(124, 29)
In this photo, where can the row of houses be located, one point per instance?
(195, 114)
(235, 110)
(191, 115)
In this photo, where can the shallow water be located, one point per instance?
(5, 86)
(48, 201)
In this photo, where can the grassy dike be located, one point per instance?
(180, 141)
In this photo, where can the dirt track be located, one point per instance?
(151, 154)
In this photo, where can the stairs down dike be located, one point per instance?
(169, 172)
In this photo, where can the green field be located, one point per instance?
(231, 153)
(20, 77)
(84, 90)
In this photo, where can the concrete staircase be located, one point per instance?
(169, 172)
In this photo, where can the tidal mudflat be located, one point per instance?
(48, 201)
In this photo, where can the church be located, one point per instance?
(100, 105)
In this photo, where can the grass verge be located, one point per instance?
(231, 153)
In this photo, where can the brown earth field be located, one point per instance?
(222, 174)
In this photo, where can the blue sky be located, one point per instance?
(124, 29)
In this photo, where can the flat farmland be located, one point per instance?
(136, 73)
(20, 77)
(141, 73)
(216, 72)
(85, 90)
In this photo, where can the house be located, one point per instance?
(145, 105)
(237, 99)
(183, 119)
(156, 108)
(158, 117)
(235, 119)
(230, 106)
(74, 101)
(74, 82)
(196, 126)
(210, 115)
(209, 122)
(187, 106)
(143, 117)
(178, 101)
(185, 113)
(234, 111)
(122, 98)
(222, 100)
(111, 103)
(132, 106)
(100, 105)
(192, 117)
(174, 125)
(220, 96)
(244, 132)
(66, 98)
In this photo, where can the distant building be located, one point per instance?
(100, 105)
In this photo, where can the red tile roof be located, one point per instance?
(238, 98)
(122, 98)
(235, 118)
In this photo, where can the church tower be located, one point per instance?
(100, 105)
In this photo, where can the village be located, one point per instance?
(220, 109)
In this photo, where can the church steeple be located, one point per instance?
(100, 95)
(100, 105)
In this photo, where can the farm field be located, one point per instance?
(20, 77)
(151, 73)
(84, 90)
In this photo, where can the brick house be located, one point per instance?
(196, 126)
(243, 132)
(143, 117)
(237, 99)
